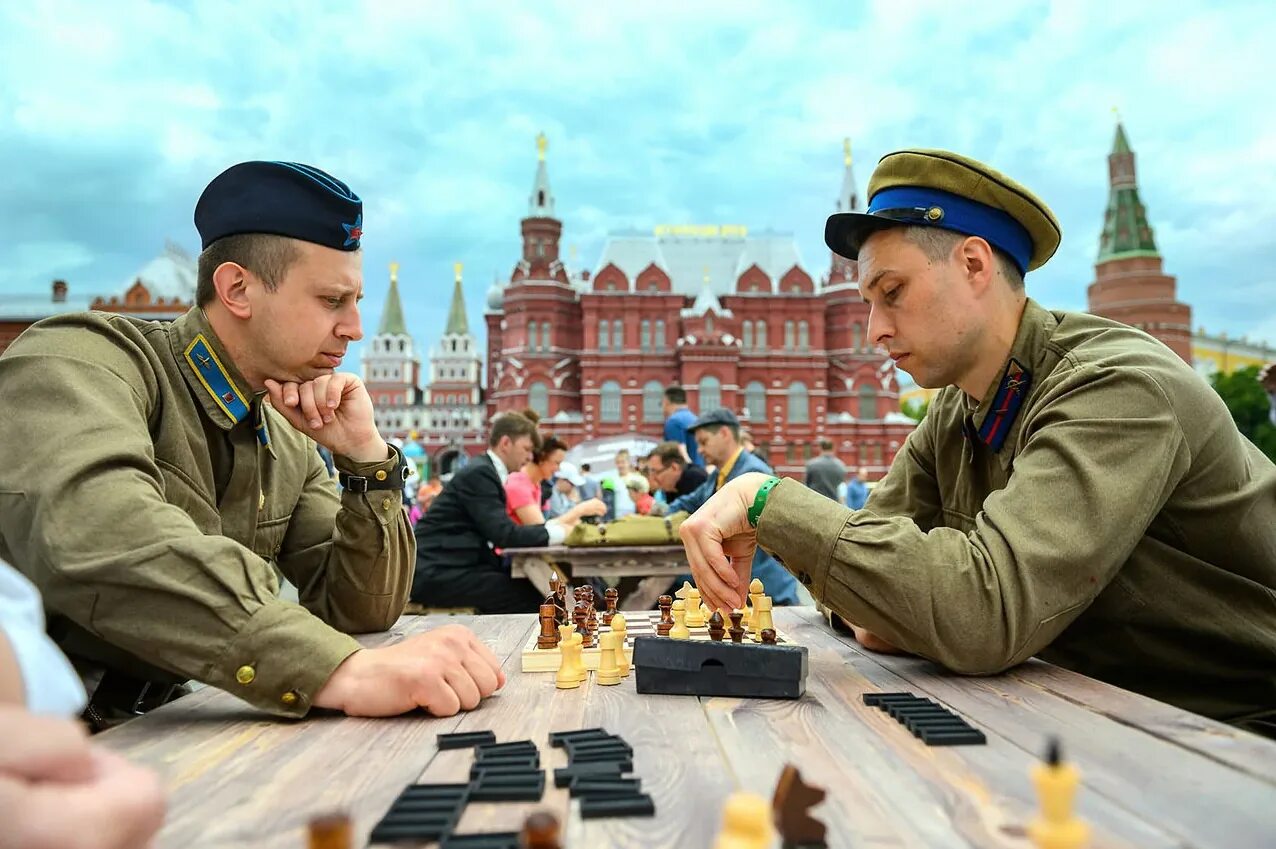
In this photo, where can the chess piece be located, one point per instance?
(705, 613)
(716, 629)
(790, 810)
(755, 592)
(666, 616)
(578, 657)
(746, 823)
(680, 631)
(582, 627)
(568, 678)
(1056, 827)
(608, 667)
(762, 616)
(694, 606)
(768, 636)
(592, 619)
(331, 831)
(540, 831)
(620, 627)
(548, 638)
(737, 627)
(612, 597)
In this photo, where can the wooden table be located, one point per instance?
(654, 567)
(1152, 775)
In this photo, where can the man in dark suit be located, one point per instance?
(456, 561)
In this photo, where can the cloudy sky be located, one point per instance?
(113, 116)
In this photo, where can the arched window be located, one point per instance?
(710, 393)
(401, 344)
(761, 336)
(645, 338)
(540, 246)
(857, 337)
(609, 403)
(708, 325)
(545, 336)
(618, 334)
(652, 394)
(531, 336)
(746, 333)
(799, 410)
(788, 335)
(804, 336)
(868, 401)
(755, 401)
(603, 326)
(538, 398)
(660, 334)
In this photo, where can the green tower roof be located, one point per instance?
(392, 316)
(1126, 232)
(457, 325)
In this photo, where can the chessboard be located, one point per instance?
(638, 623)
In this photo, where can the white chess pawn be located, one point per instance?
(620, 627)
(567, 678)
(608, 667)
(679, 631)
(746, 823)
(755, 592)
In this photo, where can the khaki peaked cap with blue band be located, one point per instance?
(935, 188)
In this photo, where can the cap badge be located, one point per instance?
(935, 213)
(354, 232)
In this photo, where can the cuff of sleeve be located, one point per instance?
(281, 659)
(800, 528)
(384, 505)
(557, 533)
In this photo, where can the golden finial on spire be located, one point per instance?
(846, 150)
(456, 269)
(541, 144)
(1116, 113)
(394, 272)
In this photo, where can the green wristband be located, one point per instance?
(759, 501)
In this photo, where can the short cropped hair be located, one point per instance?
(937, 244)
(826, 444)
(675, 395)
(669, 454)
(513, 425)
(264, 254)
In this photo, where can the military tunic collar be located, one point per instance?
(213, 378)
(995, 420)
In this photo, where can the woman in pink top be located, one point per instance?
(523, 488)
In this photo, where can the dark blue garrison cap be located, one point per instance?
(281, 198)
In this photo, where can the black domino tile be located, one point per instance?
(492, 840)
(931, 722)
(465, 740)
(631, 806)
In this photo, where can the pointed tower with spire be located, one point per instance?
(843, 271)
(391, 369)
(863, 385)
(454, 399)
(1129, 284)
(534, 324)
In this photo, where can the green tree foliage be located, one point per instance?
(915, 409)
(1249, 406)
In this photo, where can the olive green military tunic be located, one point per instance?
(1122, 528)
(147, 492)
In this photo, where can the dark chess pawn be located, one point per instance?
(768, 636)
(666, 616)
(716, 629)
(737, 630)
(612, 597)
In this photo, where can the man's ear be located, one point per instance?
(230, 282)
(979, 263)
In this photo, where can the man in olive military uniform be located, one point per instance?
(153, 477)
(1075, 492)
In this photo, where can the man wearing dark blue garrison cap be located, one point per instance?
(1075, 490)
(158, 477)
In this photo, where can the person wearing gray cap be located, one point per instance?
(717, 435)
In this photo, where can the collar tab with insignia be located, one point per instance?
(216, 379)
(1005, 405)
